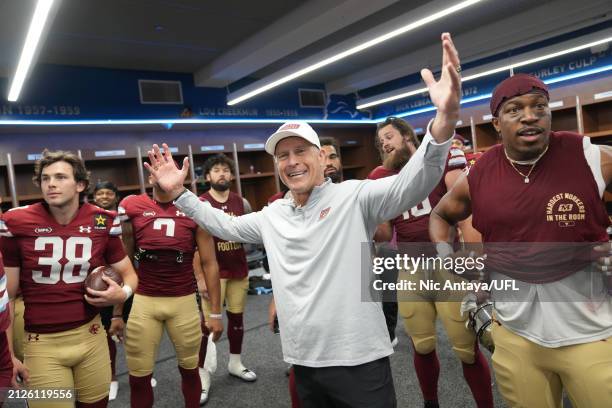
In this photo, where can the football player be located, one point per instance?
(233, 268)
(540, 186)
(333, 164)
(397, 142)
(49, 249)
(106, 195)
(163, 240)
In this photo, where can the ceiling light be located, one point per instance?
(351, 51)
(373, 101)
(41, 13)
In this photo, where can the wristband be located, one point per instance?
(216, 316)
(116, 318)
(128, 291)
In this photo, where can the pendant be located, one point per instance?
(526, 180)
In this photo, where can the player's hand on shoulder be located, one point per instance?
(113, 295)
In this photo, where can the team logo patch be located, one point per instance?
(180, 213)
(324, 213)
(100, 221)
(83, 228)
(148, 214)
(43, 230)
(33, 337)
(94, 328)
(290, 126)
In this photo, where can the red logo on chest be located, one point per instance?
(324, 213)
(94, 328)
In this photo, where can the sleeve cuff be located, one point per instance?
(429, 138)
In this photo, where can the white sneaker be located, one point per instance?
(114, 389)
(205, 380)
(153, 382)
(394, 342)
(244, 374)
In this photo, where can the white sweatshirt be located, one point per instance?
(315, 253)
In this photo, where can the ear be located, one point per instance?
(321, 155)
(207, 177)
(81, 186)
(495, 122)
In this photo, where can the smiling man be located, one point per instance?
(337, 343)
(557, 333)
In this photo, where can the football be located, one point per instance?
(94, 279)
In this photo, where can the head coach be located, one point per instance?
(338, 344)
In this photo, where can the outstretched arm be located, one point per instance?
(386, 198)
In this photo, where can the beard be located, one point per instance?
(397, 159)
(335, 177)
(220, 186)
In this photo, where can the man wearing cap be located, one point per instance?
(315, 242)
(541, 186)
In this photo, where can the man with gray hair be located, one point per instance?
(338, 343)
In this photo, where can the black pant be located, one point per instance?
(389, 304)
(368, 385)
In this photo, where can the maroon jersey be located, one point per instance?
(472, 158)
(560, 203)
(230, 255)
(413, 225)
(169, 236)
(55, 259)
(5, 319)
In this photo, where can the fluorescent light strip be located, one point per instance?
(85, 122)
(487, 96)
(354, 50)
(41, 13)
(490, 72)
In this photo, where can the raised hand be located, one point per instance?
(445, 93)
(162, 168)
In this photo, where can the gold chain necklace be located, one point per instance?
(532, 162)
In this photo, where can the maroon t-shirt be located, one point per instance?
(230, 255)
(413, 225)
(164, 230)
(472, 158)
(55, 259)
(561, 203)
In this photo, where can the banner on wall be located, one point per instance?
(555, 69)
(62, 92)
